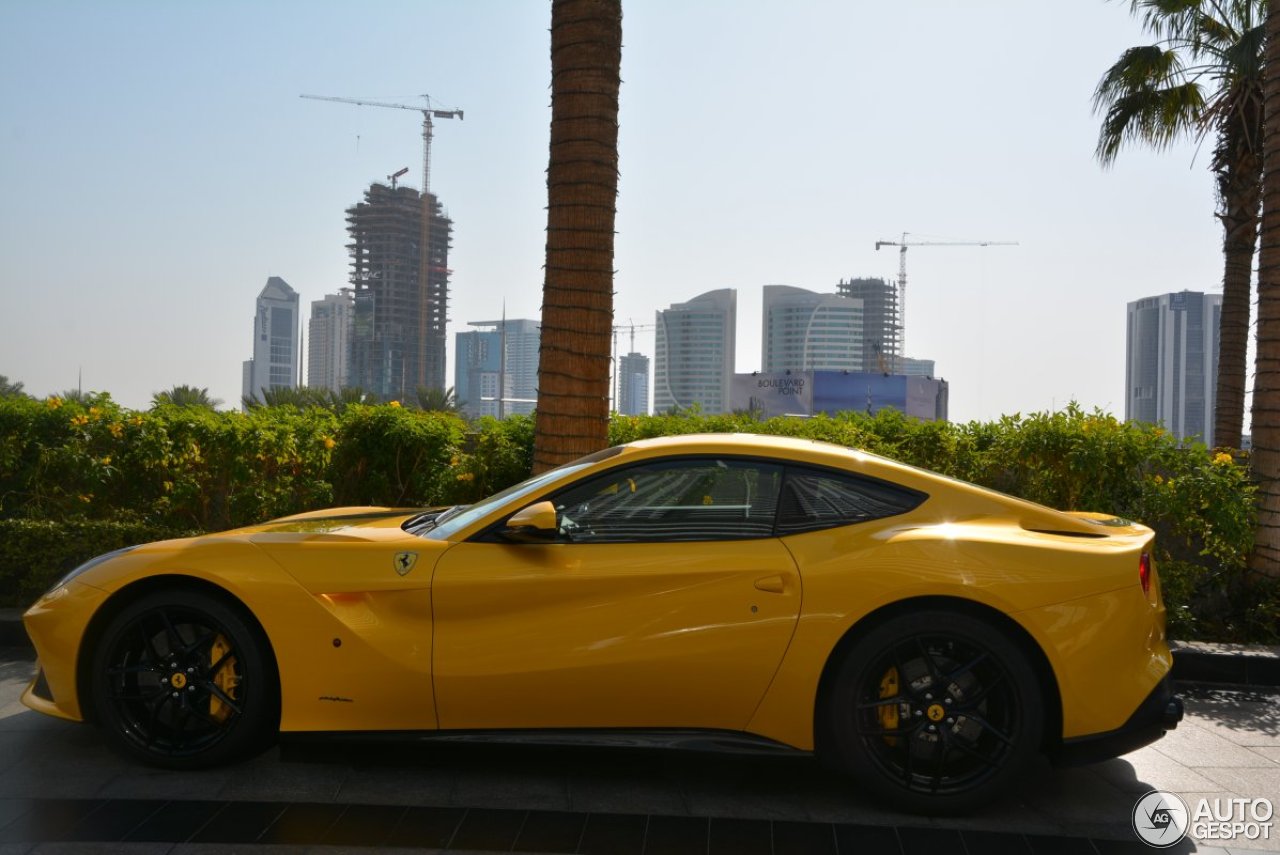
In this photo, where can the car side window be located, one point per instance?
(816, 499)
(673, 500)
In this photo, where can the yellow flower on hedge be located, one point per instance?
(1159, 479)
(466, 476)
(54, 402)
(106, 461)
(116, 429)
(1222, 458)
(80, 420)
(86, 497)
(95, 412)
(328, 442)
(136, 421)
(393, 403)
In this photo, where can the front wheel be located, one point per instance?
(182, 679)
(935, 712)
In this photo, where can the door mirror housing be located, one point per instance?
(534, 524)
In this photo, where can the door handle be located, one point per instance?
(772, 584)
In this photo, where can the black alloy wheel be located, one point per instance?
(936, 712)
(181, 679)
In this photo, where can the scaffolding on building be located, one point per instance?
(389, 354)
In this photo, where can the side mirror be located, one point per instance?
(534, 524)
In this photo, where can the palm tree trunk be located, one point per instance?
(1241, 194)
(1265, 458)
(582, 188)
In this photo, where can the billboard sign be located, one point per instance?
(775, 394)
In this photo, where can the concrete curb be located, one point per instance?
(1241, 664)
(1195, 661)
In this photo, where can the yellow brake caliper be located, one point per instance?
(889, 712)
(226, 678)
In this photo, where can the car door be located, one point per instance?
(664, 601)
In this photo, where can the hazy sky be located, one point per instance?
(157, 165)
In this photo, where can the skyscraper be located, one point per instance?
(633, 385)
(477, 366)
(881, 322)
(482, 370)
(1171, 371)
(521, 371)
(807, 331)
(276, 325)
(329, 335)
(694, 358)
(389, 354)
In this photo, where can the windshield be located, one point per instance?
(458, 518)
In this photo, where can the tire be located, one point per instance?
(182, 679)
(935, 712)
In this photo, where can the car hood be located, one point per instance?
(333, 525)
(346, 550)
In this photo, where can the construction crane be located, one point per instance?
(429, 113)
(902, 277)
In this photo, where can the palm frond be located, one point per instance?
(1138, 68)
(1168, 19)
(1154, 116)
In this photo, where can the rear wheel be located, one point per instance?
(935, 712)
(181, 679)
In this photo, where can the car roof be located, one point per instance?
(796, 448)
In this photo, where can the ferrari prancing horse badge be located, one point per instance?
(404, 562)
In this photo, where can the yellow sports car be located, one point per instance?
(746, 592)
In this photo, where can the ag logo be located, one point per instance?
(1160, 819)
(404, 562)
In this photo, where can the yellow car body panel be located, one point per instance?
(1066, 600)
(55, 625)
(728, 635)
(611, 635)
(352, 642)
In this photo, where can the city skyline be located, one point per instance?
(204, 173)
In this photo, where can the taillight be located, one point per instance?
(1144, 573)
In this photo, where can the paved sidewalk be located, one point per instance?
(58, 782)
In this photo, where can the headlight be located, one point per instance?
(89, 565)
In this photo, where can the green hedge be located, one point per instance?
(36, 553)
(173, 469)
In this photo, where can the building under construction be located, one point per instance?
(398, 335)
(881, 322)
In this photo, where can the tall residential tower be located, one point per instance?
(694, 358)
(329, 341)
(276, 328)
(633, 384)
(498, 355)
(807, 331)
(1171, 371)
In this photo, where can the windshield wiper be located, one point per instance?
(423, 523)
